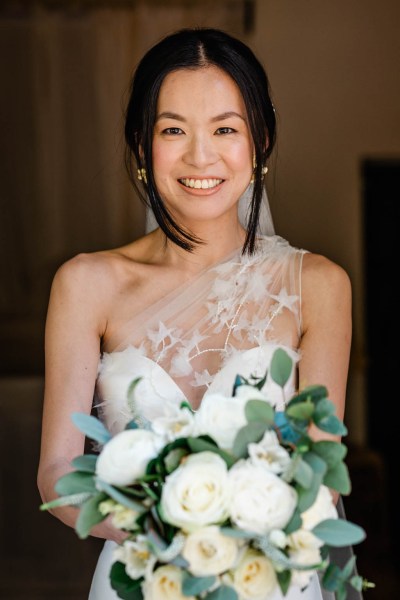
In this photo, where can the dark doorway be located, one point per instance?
(381, 180)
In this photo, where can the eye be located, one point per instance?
(172, 131)
(225, 130)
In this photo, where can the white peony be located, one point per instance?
(221, 418)
(176, 422)
(197, 493)
(323, 508)
(255, 577)
(136, 557)
(165, 583)
(261, 501)
(304, 549)
(209, 552)
(124, 458)
(268, 453)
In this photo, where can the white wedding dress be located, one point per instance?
(227, 320)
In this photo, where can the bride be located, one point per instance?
(205, 295)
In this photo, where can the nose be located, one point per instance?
(201, 152)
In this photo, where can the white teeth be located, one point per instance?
(204, 184)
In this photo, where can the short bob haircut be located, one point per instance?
(194, 49)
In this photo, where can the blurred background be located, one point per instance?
(334, 188)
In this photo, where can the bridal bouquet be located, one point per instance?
(229, 502)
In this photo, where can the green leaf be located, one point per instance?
(303, 474)
(223, 592)
(199, 444)
(74, 483)
(315, 393)
(259, 410)
(71, 500)
(130, 395)
(252, 432)
(192, 586)
(331, 452)
(131, 425)
(173, 459)
(338, 532)
(89, 515)
(240, 534)
(302, 411)
(317, 464)
(295, 522)
(338, 479)
(349, 568)
(281, 367)
(126, 588)
(85, 462)
(119, 496)
(284, 578)
(91, 427)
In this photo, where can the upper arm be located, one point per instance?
(74, 325)
(326, 340)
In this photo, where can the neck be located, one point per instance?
(219, 240)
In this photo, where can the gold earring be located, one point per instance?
(142, 175)
(264, 170)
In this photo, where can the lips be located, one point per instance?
(200, 184)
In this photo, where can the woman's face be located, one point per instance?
(202, 146)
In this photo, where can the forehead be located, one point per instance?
(206, 88)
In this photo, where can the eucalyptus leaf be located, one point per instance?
(303, 474)
(85, 462)
(259, 410)
(302, 411)
(307, 496)
(338, 479)
(119, 496)
(74, 483)
(332, 578)
(252, 432)
(89, 515)
(338, 532)
(223, 592)
(281, 367)
(131, 425)
(192, 586)
(126, 588)
(130, 395)
(330, 424)
(91, 427)
(331, 452)
(240, 534)
(315, 393)
(71, 500)
(295, 522)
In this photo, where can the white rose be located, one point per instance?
(303, 547)
(268, 453)
(323, 508)
(136, 557)
(221, 418)
(209, 552)
(176, 422)
(165, 584)
(124, 458)
(255, 577)
(261, 501)
(197, 493)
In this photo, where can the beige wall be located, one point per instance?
(334, 73)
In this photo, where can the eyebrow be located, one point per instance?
(221, 117)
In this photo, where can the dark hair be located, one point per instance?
(192, 49)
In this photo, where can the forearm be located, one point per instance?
(68, 515)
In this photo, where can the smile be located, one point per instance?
(200, 184)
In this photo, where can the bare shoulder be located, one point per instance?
(322, 275)
(326, 292)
